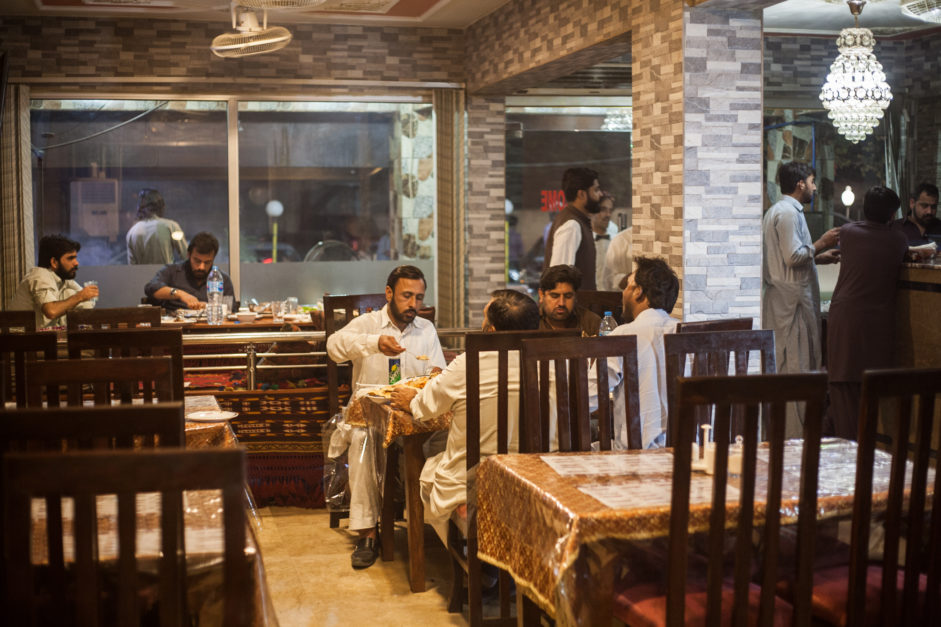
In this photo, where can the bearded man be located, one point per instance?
(571, 241)
(369, 341)
(183, 285)
(50, 289)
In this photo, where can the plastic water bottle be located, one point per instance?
(214, 310)
(608, 324)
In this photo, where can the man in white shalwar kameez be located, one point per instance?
(443, 478)
(790, 304)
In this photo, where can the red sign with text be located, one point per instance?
(552, 200)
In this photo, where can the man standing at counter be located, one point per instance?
(153, 238)
(369, 341)
(183, 285)
(921, 225)
(790, 305)
(50, 289)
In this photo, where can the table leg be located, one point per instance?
(414, 459)
(387, 516)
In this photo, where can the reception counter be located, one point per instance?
(918, 334)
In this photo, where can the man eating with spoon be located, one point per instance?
(372, 342)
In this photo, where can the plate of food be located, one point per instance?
(383, 394)
(211, 415)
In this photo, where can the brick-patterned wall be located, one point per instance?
(522, 36)
(723, 165)
(657, 157)
(486, 192)
(77, 47)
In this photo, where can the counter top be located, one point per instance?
(934, 264)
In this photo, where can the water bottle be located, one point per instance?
(608, 324)
(214, 310)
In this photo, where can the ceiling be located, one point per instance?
(419, 13)
(820, 17)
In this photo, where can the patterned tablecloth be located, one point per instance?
(389, 423)
(206, 434)
(536, 513)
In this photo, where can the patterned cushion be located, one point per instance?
(831, 586)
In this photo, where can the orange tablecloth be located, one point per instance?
(388, 423)
(535, 522)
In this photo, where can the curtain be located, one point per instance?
(898, 169)
(449, 131)
(16, 236)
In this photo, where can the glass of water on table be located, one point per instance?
(93, 301)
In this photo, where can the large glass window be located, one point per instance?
(341, 192)
(322, 184)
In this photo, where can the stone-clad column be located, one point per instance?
(657, 155)
(722, 139)
(486, 192)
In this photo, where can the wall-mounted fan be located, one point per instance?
(281, 4)
(251, 37)
(927, 10)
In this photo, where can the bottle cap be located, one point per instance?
(607, 313)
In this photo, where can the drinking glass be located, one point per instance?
(290, 305)
(228, 302)
(277, 311)
(93, 301)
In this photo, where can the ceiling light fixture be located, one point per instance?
(618, 120)
(855, 94)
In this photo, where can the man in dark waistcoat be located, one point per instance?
(570, 241)
(921, 225)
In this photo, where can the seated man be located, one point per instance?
(50, 288)
(183, 285)
(921, 225)
(651, 293)
(444, 476)
(369, 341)
(557, 306)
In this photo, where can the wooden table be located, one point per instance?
(206, 434)
(544, 518)
(385, 425)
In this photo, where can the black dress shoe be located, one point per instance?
(365, 553)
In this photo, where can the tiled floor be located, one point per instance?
(312, 583)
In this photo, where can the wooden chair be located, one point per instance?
(710, 353)
(77, 589)
(716, 595)
(502, 343)
(722, 324)
(13, 320)
(887, 592)
(572, 360)
(351, 305)
(139, 342)
(123, 380)
(16, 350)
(113, 318)
(598, 302)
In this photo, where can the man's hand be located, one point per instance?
(435, 370)
(191, 301)
(88, 292)
(829, 256)
(389, 347)
(829, 239)
(402, 396)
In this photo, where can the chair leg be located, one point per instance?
(335, 518)
(387, 515)
(475, 606)
(456, 595)
(528, 613)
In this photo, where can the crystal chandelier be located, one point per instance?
(855, 94)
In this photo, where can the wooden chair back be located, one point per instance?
(85, 477)
(17, 321)
(147, 379)
(722, 324)
(139, 342)
(750, 393)
(600, 301)
(351, 305)
(112, 318)
(571, 360)
(16, 350)
(910, 399)
(710, 354)
(502, 343)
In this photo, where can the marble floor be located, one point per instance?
(312, 583)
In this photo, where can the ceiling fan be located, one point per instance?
(927, 10)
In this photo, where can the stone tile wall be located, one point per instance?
(486, 192)
(77, 47)
(723, 164)
(657, 157)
